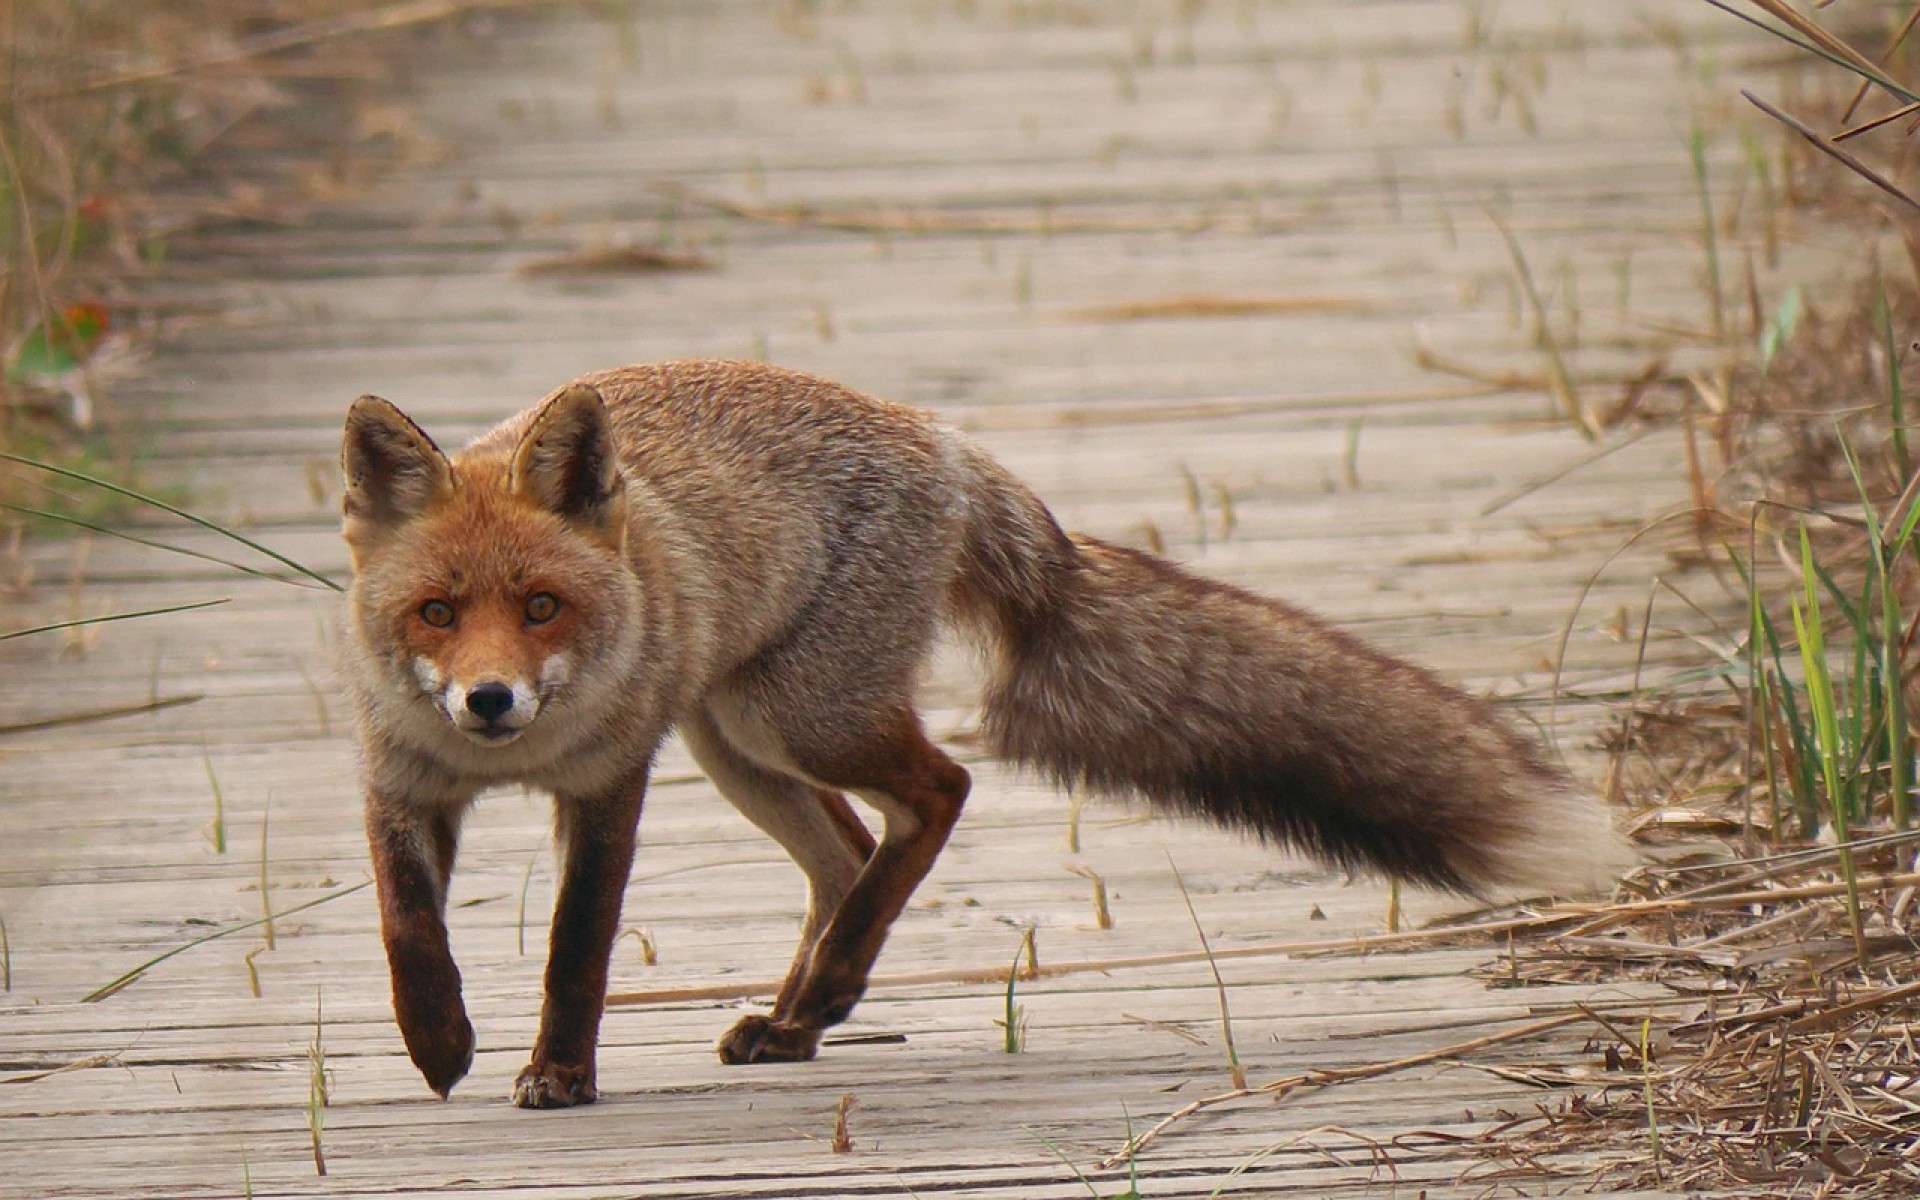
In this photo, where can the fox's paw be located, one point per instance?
(552, 1085)
(760, 1038)
(440, 1045)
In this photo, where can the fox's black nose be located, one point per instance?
(489, 701)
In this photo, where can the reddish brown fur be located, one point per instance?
(426, 983)
(761, 560)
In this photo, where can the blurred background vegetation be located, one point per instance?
(123, 125)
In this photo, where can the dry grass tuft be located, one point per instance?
(1775, 1055)
(1776, 1064)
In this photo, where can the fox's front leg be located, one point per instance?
(413, 849)
(596, 841)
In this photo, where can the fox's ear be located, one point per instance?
(393, 469)
(566, 462)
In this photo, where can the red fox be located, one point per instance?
(760, 560)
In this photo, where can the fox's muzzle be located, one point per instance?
(490, 711)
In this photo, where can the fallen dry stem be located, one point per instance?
(1866, 85)
(615, 260)
(1325, 1078)
(1585, 918)
(88, 1063)
(934, 221)
(1053, 970)
(100, 714)
(1828, 1017)
(1562, 472)
(1430, 359)
(1840, 154)
(1701, 903)
(1898, 114)
(1219, 306)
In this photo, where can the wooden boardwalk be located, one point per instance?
(1174, 263)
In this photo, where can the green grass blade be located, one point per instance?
(1893, 703)
(163, 506)
(1899, 758)
(1068, 1162)
(1862, 690)
(101, 993)
(1806, 627)
(1820, 698)
(1779, 328)
(1867, 512)
(1716, 296)
(1810, 632)
(1903, 537)
(1012, 1042)
(1887, 700)
(219, 804)
(1760, 689)
(1760, 710)
(125, 616)
(1848, 609)
(109, 531)
(1896, 394)
(1805, 791)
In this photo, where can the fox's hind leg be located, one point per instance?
(817, 827)
(831, 702)
(919, 793)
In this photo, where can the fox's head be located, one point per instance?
(491, 586)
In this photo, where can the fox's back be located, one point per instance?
(754, 435)
(781, 484)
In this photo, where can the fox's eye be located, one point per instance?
(541, 608)
(437, 613)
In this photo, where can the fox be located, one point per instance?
(760, 561)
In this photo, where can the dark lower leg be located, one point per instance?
(412, 851)
(598, 844)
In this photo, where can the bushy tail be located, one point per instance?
(1118, 672)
